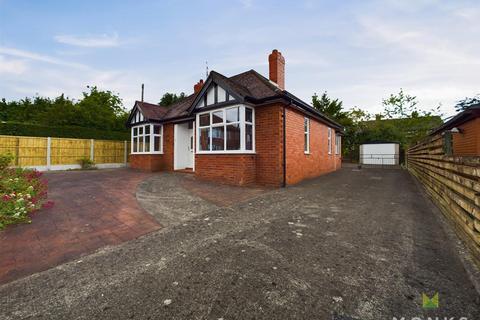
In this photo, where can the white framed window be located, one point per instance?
(147, 138)
(338, 144)
(329, 140)
(227, 130)
(306, 135)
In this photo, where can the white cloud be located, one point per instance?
(91, 41)
(38, 57)
(12, 66)
(49, 76)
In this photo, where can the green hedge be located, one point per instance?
(36, 130)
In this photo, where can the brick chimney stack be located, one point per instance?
(276, 64)
(198, 86)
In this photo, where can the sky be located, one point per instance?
(358, 51)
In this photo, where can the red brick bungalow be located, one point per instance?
(241, 130)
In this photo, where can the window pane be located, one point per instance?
(233, 137)
(248, 137)
(248, 115)
(140, 130)
(204, 139)
(134, 132)
(305, 125)
(156, 141)
(305, 143)
(217, 117)
(233, 114)
(218, 138)
(140, 144)
(135, 145)
(147, 129)
(204, 120)
(156, 129)
(147, 143)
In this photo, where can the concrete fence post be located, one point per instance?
(92, 149)
(49, 153)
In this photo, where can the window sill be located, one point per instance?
(226, 152)
(144, 153)
(306, 152)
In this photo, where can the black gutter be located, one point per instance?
(302, 106)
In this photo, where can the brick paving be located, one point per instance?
(92, 209)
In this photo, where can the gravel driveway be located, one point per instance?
(354, 244)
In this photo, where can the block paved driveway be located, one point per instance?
(354, 244)
(92, 209)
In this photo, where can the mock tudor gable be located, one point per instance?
(216, 92)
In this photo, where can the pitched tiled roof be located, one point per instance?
(249, 85)
(180, 108)
(151, 111)
(258, 86)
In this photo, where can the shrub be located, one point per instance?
(22, 192)
(86, 163)
(5, 160)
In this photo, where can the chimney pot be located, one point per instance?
(276, 63)
(198, 86)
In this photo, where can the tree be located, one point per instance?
(329, 107)
(466, 103)
(99, 109)
(400, 105)
(170, 98)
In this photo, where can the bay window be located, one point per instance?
(227, 130)
(147, 138)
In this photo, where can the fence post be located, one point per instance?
(92, 149)
(17, 151)
(125, 152)
(49, 152)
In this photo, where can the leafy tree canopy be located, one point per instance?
(403, 105)
(170, 98)
(96, 109)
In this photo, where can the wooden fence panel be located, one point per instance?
(69, 151)
(454, 185)
(106, 151)
(28, 151)
(34, 151)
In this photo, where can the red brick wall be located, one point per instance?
(467, 143)
(236, 169)
(156, 162)
(148, 162)
(269, 144)
(300, 165)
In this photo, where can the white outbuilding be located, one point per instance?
(380, 153)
